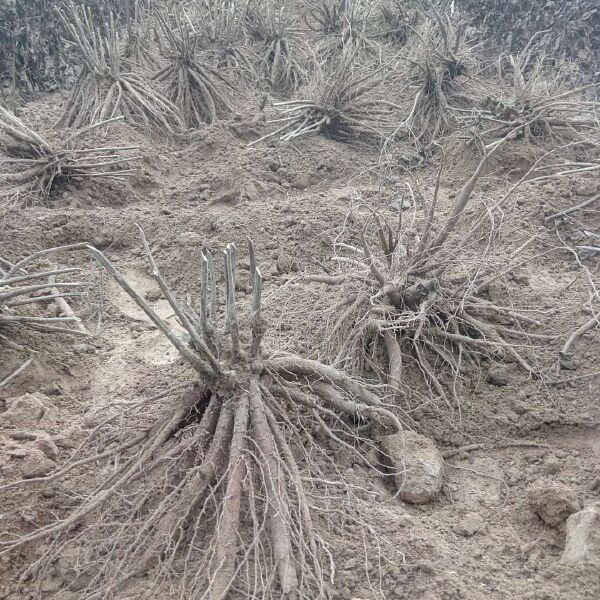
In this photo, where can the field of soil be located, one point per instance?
(520, 446)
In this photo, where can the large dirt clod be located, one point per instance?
(417, 464)
(583, 537)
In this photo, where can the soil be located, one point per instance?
(481, 538)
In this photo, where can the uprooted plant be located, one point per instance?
(30, 166)
(137, 47)
(437, 56)
(398, 21)
(341, 105)
(539, 106)
(194, 87)
(416, 307)
(223, 23)
(204, 493)
(103, 88)
(23, 290)
(280, 61)
(342, 27)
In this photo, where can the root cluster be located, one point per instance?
(437, 58)
(195, 88)
(279, 60)
(343, 27)
(537, 108)
(397, 21)
(24, 290)
(206, 496)
(418, 305)
(104, 89)
(343, 107)
(32, 167)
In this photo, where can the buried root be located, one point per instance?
(205, 492)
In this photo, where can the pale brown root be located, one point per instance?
(36, 168)
(122, 93)
(207, 496)
(566, 355)
(228, 529)
(275, 493)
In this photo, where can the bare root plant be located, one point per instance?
(539, 106)
(205, 495)
(417, 307)
(104, 89)
(224, 24)
(437, 56)
(24, 289)
(343, 27)
(340, 105)
(138, 48)
(398, 21)
(194, 87)
(32, 167)
(280, 60)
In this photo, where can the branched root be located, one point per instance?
(205, 494)
(414, 308)
(343, 108)
(279, 61)
(193, 87)
(437, 58)
(34, 167)
(103, 89)
(538, 108)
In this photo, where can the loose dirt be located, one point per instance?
(481, 538)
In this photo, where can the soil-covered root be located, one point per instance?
(340, 105)
(103, 89)
(32, 168)
(542, 105)
(204, 495)
(416, 309)
(280, 60)
(24, 290)
(194, 87)
(437, 57)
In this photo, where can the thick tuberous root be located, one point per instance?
(203, 493)
(415, 308)
(32, 167)
(341, 106)
(195, 88)
(104, 88)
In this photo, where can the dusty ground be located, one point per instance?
(481, 538)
